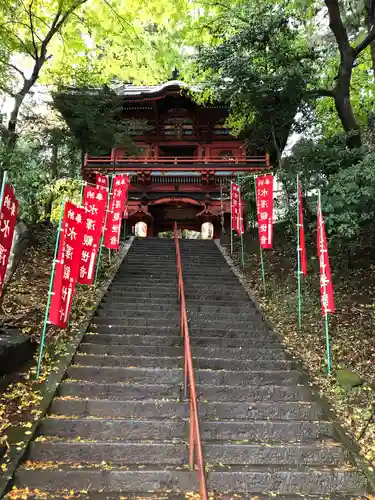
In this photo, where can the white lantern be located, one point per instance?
(207, 231)
(141, 229)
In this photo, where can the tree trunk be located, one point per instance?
(11, 135)
(342, 101)
(370, 19)
(48, 205)
(341, 92)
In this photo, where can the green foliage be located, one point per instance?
(349, 199)
(95, 41)
(38, 177)
(94, 118)
(347, 181)
(261, 68)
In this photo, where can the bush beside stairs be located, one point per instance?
(118, 425)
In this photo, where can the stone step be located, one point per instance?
(156, 430)
(135, 330)
(233, 328)
(129, 351)
(319, 454)
(199, 354)
(131, 313)
(202, 346)
(136, 321)
(125, 375)
(142, 301)
(174, 453)
(145, 308)
(177, 362)
(148, 284)
(171, 340)
(232, 331)
(252, 482)
(174, 376)
(102, 408)
(114, 430)
(221, 309)
(144, 287)
(130, 361)
(145, 292)
(115, 392)
(250, 394)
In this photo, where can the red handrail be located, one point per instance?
(195, 443)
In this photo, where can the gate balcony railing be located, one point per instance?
(97, 163)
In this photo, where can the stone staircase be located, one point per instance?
(118, 427)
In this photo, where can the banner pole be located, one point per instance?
(231, 216)
(4, 181)
(102, 237)
(328, 348)
(326, 322)
(242, 252)
(45, 323)
(260, 246)
(81, 194)
(298, 259)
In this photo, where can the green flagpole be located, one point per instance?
(328, 349)
(299, 259)
(326, 322)
(102, 237)
(81, 193)
(5, 178)
(260, 246)
(45, 324)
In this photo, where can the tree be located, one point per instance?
(26, 29)
(72, 41)
(261, 67)
(348, 56)
(93, 119)
(342, 47)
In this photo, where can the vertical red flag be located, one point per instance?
(264, 202)
(237, 209)
(116, 209)
(95, 203)
(67, 264)
(102, 180)
(8, 220)
(326, 289)
(302, 245)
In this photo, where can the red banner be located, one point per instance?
(237, 209)
(67, 264)
(302, 245)
(116, 210)
(8, 220)
(264, 201)
(326, 289)
(95, 203)
(102, 180)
